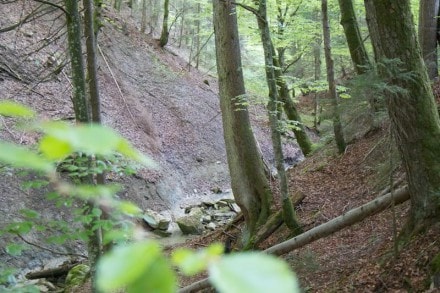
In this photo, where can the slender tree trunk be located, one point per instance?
(283, 90)
(144, 16)
(317, 76)
(165, 33)
(412, 110)
(197, 36)
(291, 112)
(356, 46)
(337, 126)
(79, 100)
(428, 11)
(249, 184)
(288, 210)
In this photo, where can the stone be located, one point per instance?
(156, 220)
(162, 233)
(222, 203)
(211, 226)
(216, 190)
(206, 219)
(235, 208)
(223, 215)
(190, 224)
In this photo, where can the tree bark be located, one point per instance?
(428, 11)
(165, 33)
(288, 211)
(356, 46)
(79, 100)
(249, 184)
(283, 90)
(412, 109)
(337, 126)
(349, 218)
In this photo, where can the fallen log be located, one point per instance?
(349, 218)
(57, 272)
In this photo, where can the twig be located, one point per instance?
(48, 249)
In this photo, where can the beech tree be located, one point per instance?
(337, 126)
(271, 79)
(410, 103)
(165, 33)
(355, 43)
(428, 29)
(249, 184)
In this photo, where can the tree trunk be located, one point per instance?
(292, 114)
(249, 184)
(165, 33)
(288, 211)
(412, 109)
(428, 11)
(337, 126)
(356, 46)
(283, 90)
(144, 16)
(317, 76)
(79, 100)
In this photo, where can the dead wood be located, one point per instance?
(62, 270)
(276, 220)
(349, 218)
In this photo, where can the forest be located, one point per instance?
(219, 146)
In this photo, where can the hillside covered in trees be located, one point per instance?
(305, 131)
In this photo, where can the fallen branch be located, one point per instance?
(52, 273)
(349, 218)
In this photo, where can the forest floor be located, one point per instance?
(177, 121)
(360, 258)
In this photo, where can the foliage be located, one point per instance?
(135, 266)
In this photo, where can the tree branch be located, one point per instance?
(54, 5)
(48, 249)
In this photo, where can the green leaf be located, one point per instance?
(191, 263)
(94, 191)
(158, 278)
(129, 208)
(53, 148)
(93, 139)
(125, 265)
(32, 214)
(21, 157)
(11, 108)
(15, 249)
(20, 227)
(252, 273)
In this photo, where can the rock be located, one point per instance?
(223, 215)
(206, 219)
(156, 220)
(222, 203)
(191, 224)
(162, 233)
(216, 190)
(235, 208)
(211, 226)
(209, 203)
(76, 277)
